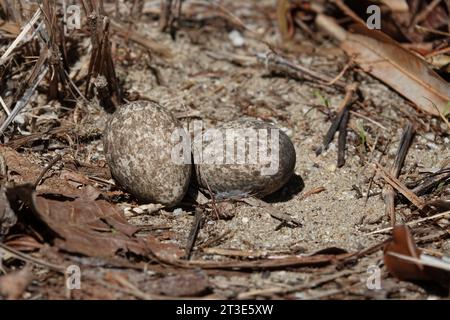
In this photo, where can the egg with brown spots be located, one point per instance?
(138, 146)
(243, 157)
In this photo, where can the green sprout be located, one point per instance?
(361, 132)
(322, 99)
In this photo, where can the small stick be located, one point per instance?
(153, 46)
(213, 200)
(403, 147)
(308, 193)
(350, 90)
(25, 257)
(5, 107)
(400, 187)
(430, 183)
(342, 138)
(411, 223)
(24, 100)
(21, 36)
(272, 211)
(194, 232)
(277, 63)
(388, 192)
(48, 167)
(375, 171)
(341, 74)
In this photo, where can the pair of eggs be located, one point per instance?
(150, 155)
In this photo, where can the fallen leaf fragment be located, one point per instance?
(406, 73)
(83, 224)
(13, 285)
(407, 262)
(285, 19)
(7, 216)
(382, 57)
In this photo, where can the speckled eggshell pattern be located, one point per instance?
(138, 146)
(233, 178)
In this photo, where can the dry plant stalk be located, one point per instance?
(389, 192)
(101, 72)
(400, 187)
(57, 49)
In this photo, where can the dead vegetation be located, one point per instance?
(378, 198)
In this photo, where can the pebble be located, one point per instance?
(137, 144)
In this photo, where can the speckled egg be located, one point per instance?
(138, 145)
(243, 157)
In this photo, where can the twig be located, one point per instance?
(400, 187)
(424, 14)
(411, 223)
(149, 44)
(341, 74)
(276, 63)
(195, 228)
(349, 12)
(432, 181)
(48, 167)
(375, 171)
(25, 257)
(350, 90)
(24, 101)
(342, 139)
(308, 193)
(215, 240)
(19, 38)
(388, 192)
(297, 288)
(272, 211)
(5, 107)
(368, 119)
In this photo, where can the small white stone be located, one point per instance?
(236, 38)
(245, 220)
(177, 211)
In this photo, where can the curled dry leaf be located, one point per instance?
(88, 226)
(407, 262)
(406, 73)
(22, 171)
(403, 243)
(83, 224)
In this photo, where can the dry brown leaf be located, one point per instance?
(407, 262)
(403, 243)
(7, 215)
(22, 171)
(405, 72)
(285, 20)
(13, 285)
(88, 226)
